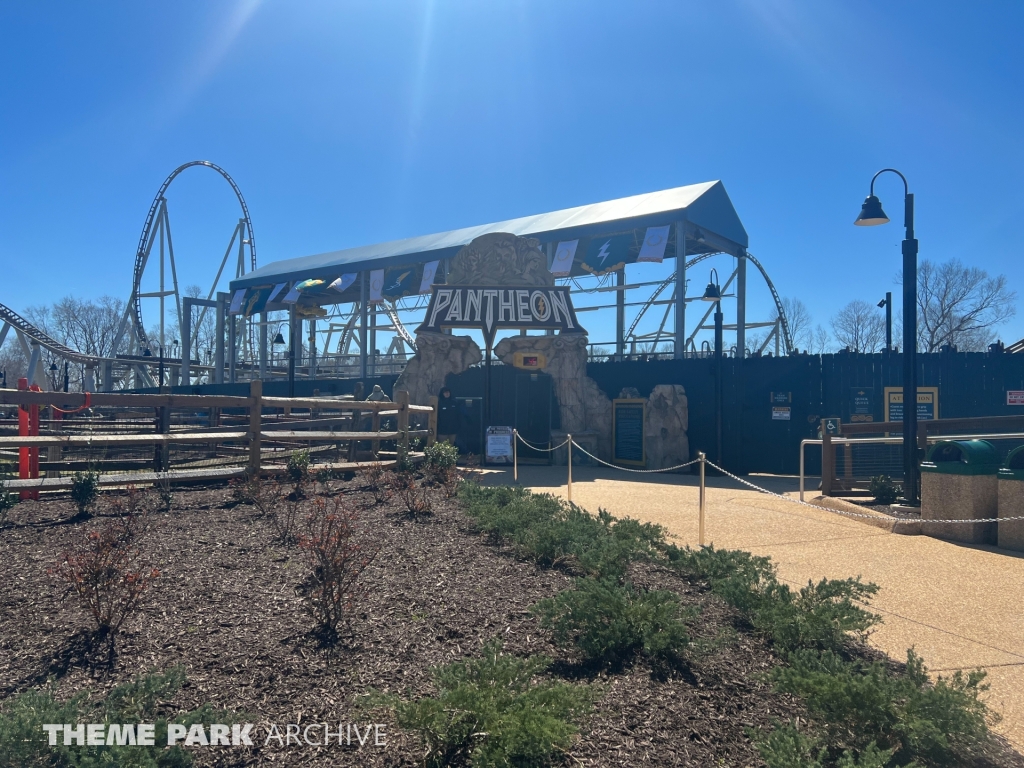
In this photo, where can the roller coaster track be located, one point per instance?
(147, 232)
(697, 260)
(19, 323)
(391, 311)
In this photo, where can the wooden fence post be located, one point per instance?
(162, 454)
(432, 420)
(375, 426)
(255, 424)
(402, 400)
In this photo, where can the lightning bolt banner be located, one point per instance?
(608, 254)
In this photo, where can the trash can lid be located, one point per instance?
(962, 457)
(1015, 459)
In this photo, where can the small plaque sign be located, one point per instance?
(780, 413)
(1015, 397)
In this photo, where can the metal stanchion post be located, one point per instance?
(515, 455)
(700, 523)
(568, 448)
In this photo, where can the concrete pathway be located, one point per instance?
(959, 606)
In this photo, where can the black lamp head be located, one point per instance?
(881, 304)
(53, 366)
(871, 213)
(279, 339)
(146, 352)
(712, 293)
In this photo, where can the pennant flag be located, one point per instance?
(343, 282)
(292, 296)
(608, 254)
(400, 281)
(429, 272)
(308, 285)
(561, 264)
(236, 302)
(655, 241)
(376, 284)
(256, 302)
(277, 292)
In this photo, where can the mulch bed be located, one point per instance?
(226, 608)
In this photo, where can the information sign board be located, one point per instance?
(498, 445)
(628, 431)
(927, 403)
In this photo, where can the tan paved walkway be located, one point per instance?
(960, 606)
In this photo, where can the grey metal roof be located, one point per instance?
(705, 206)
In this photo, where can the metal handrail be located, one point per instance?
(897, 441)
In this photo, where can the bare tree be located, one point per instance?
(798, 318)
(820, 342)
(88, 327)
(959, 305)
(859, 327)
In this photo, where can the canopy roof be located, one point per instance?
(711, 225)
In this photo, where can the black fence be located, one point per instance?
(759, 434)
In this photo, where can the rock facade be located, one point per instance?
(666, 422)
(501, 259)
(582, 405)
(437, 355)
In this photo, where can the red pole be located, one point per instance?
(33, 429)
(23, 431)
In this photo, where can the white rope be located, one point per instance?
(534, 447)
(627, 469)
(895, 520)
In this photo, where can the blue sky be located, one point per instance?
(352, 123)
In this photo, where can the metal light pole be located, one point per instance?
(871, 214)
(714, 293)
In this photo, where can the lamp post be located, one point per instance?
(714, 293)
(278, 341)
(871, 214)
(887, 303)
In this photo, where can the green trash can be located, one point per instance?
(959, 482)
(1011, 501)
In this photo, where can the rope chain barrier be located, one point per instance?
(534, 447)
(894, 519)
(627, 469)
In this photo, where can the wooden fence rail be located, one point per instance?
(257, 434)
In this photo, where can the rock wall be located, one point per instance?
(437, 355)
(666, 421)
(582, 405)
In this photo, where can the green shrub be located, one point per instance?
(84, 491)
(492, 711)
(555, 533)
(609, 623)
(864, 708)
(298, 470)
(788, 747)
(23, 742)
(885, 490)
(440, 456)
(817, 616)
(440, 462)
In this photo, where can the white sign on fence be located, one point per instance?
(1015, 397)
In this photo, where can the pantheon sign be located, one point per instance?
(490, 308)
